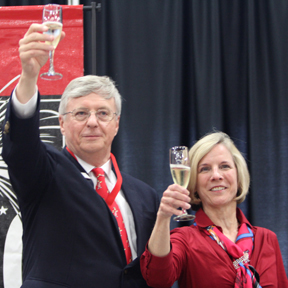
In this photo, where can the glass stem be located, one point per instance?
(51, 67)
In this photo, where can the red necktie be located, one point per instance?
(102, 190)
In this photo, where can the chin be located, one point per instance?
(91, 147)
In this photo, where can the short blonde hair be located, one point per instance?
(204, 146)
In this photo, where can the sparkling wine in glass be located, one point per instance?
(52, 18)
(180, 170)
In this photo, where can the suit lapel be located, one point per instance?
(131, 196)
(79, 167)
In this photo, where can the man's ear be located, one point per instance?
(61, 123)
(117, 128)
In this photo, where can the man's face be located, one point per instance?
(90, 139)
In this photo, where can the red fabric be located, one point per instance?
(102, 190)
(236, 251)
(68, 58)
(111, 196)
(198, 261)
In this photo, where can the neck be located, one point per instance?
(226, 218)
(95, 160)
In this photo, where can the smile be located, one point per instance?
(218, 188)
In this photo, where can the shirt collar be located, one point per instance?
(204, 221)
(107, 167)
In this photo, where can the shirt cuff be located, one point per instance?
(157, 263)
(157, 271)
(24, 110)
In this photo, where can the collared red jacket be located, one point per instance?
(196, 260)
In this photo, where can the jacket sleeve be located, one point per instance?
(281, 274)
(25, 155)
(157, 271)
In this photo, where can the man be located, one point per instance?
(70, 232)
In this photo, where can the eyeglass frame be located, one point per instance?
(89, 114)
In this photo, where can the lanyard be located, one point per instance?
(111, 196)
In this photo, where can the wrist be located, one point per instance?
(26, 88)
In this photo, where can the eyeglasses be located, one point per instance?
(82, 114)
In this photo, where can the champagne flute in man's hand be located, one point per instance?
(52, 18)
(180, 170)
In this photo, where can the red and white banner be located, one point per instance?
(68, 57)
(68, 60)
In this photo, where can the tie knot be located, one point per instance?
(98, 172)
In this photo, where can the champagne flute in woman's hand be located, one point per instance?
(52, 18)
(180, 170)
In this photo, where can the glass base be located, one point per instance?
(184, 217)
(51, 76)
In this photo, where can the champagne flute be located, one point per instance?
(180, 170)
(52, 18)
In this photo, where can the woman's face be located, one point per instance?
(217, 183)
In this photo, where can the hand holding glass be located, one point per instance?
(180, 170)
(52, 18)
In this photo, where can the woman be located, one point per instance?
(221, 249)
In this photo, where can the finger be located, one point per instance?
(35, 34)
(175, 199)
(27, 55)
(176, 187)
(175, 203)
(176, 195)
(36, 38)
(63, 34)
(36, 46)
(168, 210)
(36, 28)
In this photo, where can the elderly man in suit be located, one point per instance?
(74, 236)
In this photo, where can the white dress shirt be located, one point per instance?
(124, 207)
(27, 110)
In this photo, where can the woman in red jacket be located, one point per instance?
(221, 249)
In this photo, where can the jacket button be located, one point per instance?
(6, 127)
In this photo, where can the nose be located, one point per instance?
(216, 174)
(92, 120)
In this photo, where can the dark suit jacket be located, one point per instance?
(70, 237)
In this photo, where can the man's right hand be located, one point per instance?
(33, 50)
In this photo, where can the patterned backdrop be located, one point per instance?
(14, 22)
